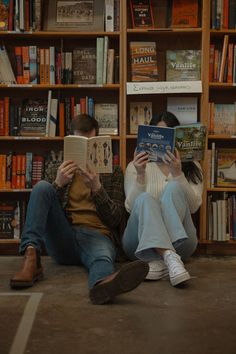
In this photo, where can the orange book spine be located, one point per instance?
(47, 66)
(223, 59)
(19, 65)
(23, 171)
(230, 63)
(225, 23)
(42, 66)
(6, 116)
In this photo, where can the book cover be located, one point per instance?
(183, 65)
(141, 14)
(189, 139)
(95, 151)
(33, 117)
(9, 220)
(140, 114)
(184, 108)
(143, 56)
(226, 167)
(107, 116)
(184, 13)
(224, 119)
(4, 13)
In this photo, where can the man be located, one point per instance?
(77, 217)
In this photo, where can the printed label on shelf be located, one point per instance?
(19, 85)
(162, 87)
(27, 137)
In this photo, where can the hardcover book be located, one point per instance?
(141, 14)
(140, 113)
(9, 220)
(143, 57)
(226, 167)
(189, 139)
(33, 117)
(184, 108)
(183, 65)
(84, 65)
(107, 116)
(184, 13)
(96, 152)
(4, 14)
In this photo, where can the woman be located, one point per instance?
(160, 197)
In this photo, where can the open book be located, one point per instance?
(95, 151)
(189, 139)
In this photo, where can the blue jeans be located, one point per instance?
(65, 243)
(166, 224)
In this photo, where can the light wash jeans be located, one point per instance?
(66, 244)
(160, 224)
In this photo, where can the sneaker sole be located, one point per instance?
(127, 279)
(181, 278)
(157, 275)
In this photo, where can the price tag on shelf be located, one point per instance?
(163, 87)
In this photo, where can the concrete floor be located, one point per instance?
(153, 319)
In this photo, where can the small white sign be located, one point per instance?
(162, 87)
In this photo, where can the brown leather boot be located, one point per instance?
(126, 279)
(30, 272)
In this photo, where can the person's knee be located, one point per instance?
(43, 187)
(172, 191)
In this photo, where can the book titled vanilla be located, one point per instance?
(96, 152)
(183, 65)
(188, 139)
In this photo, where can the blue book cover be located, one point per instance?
(189, 139)
(155, 141)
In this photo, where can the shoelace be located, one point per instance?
(175, 264)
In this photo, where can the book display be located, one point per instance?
(125, 62)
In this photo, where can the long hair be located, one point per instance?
(190, 169)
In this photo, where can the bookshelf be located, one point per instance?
(124, 92)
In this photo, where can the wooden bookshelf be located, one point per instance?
(166, 38)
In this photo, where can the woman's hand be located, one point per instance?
(90, 178)
(174, 162)
(65, 173)
(140, 161)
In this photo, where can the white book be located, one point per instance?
(22, 15)
(96, 152)
(184, 108)
(53, 117)
(48, 113)
(52, 65)
(219, 220)
(99, 62)
(109, 15)
(214, 222)
(106, 43)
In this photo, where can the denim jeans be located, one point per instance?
(65, 243)
(166, 223)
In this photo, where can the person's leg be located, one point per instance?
(145, 230)
(97, 253)
(45, 221)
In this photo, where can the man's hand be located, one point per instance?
(90, 178)
(65, 173)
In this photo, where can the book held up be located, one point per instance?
(189, 140)
(96, 152)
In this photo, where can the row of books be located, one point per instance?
(51, 117)
(177, 13)
(23, 171)
(12, 218)
(222, 62)
(35, 15)
(84, 65)
(181, 64)
(222, 118)
(221, 211)
(222, 167)
(223, 14)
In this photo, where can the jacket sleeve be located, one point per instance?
(109, 200)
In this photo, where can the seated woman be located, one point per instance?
(160, 197)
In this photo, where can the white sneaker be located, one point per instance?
(157, 270)
(178, 274)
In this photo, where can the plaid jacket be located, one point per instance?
(109, 201)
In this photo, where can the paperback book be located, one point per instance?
(141, 14)
(226, 167)
(84, 65)
(184, 108)
(183, 65)
(140, 113)
(189, 139)
(184, 13)
(143, 57)
(96, 152)
(33, 117)
(9, 220)
(107, 116)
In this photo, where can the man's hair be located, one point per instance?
(84, 123)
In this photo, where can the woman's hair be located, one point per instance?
(84, 123)
(190, 169)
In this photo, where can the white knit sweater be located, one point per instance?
(155, 182)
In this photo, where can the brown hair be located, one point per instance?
(84, 123)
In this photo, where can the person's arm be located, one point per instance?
(132, 187)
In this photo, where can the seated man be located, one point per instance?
(77, 217)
